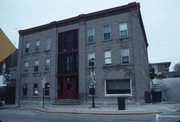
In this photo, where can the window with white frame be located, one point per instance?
(47, 44)
(125, 56)
(36, 66)
(37, 45)
(90, 35)
(26, 66)
(107, 57)
(90, 56)
(118, 87)
(47, 64)
(107, 32)
(123, 28)
(27, 46)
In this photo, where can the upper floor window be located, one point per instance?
(47, 44)
(125, 56)
(37, 45)
(90, 56)
(26, 66)
(3, 67)
(36, 66)
(107, 57)
(107, 32)
(27, 46)
(123, 28)
(47, 64)
(90, 34)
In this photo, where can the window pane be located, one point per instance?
(27, 45)
(36, 63)
(123, 26)
(107, 54)
(37, 42)
(108, 61)
(106, 29)
(47, 44)
(125, 52)
(90, 34)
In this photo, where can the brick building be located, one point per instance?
(59, 53)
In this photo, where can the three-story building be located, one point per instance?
(59, 53)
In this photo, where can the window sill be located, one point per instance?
(27, 53)
(124, 38)
(108, 40)
(46, 71)
(36, 52)
(25, 73)
(118, 95)
(35, 72)
(47, 50)
(108, 66)
(88, 43)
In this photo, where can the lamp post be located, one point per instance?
(91, 63)
(43, 86)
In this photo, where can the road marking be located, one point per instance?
(157, 117)
(168, 116)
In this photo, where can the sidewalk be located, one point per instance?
(108, 109)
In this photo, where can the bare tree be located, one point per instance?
(177, 67)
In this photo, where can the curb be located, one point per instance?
(94, 113)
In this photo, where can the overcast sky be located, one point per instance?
(161, 19)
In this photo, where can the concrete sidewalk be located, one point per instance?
(105, 109)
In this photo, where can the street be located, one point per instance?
(24, 115)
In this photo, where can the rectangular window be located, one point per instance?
(36, 65)
(123, 28)
(125, 56)
(47, 64)
(47, 44)
(90, 34)
(35, 89)
(90, 56)
(25, 88)
(37, 45)
(107, 32)
(118, 87)
(27, 46)
(107, 57)
(46, 89)
(26, 66)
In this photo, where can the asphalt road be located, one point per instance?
(16, 115)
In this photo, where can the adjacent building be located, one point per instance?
(59, 53)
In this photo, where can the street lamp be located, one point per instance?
(92, 84)
(43, 86)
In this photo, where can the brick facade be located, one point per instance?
(136, 42)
